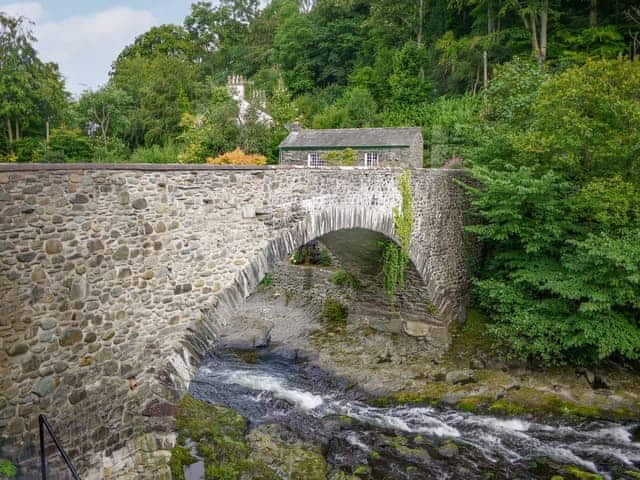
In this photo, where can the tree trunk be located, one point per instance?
(544, 20)
(490, 27)
(535, 46)
(593, 13)
(420, 31)
(9, 131)
(46, 131)
(17, 130)
(485, 68)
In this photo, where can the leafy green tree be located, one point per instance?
(562, 272)
(213, 132)
(31, 92)
(355, 109)
(104, 111)
(162, 89)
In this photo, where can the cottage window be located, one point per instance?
(314, 160)
(371, 159)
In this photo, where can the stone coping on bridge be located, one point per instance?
(179, 167)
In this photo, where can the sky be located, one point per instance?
(85, 36)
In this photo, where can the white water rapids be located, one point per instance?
(598, 447)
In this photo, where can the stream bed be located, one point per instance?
(411, 442)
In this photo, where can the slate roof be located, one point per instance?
(351, 137)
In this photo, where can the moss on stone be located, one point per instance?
(180, 456)
(362, 471)
(633, 474)
(473, 403)
(280, 449)
(576, 473)
(505, 407)
(220, 437)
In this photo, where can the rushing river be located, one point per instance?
(425, 442)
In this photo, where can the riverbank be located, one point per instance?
(461, 372)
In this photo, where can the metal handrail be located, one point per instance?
(42, 421)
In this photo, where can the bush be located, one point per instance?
(334, 311)
(342, 278)
(69, 146)
(8, 469)
(311, 254)
(238, 157)
(27, 149)
(115, 151)
(156, 154)
(324, 258)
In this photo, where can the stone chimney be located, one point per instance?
(235, 86)
(293, 126)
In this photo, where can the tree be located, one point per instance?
(560, 215)
(535, 18)
(162, 89)
(106, 109)
(31, 92)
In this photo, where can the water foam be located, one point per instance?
(301, 399)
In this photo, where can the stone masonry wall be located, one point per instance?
(114, 279)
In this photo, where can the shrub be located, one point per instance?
(342, 278)
(156, 154)
(69, 146)
(8, 469)
(267, 280)
(27, 149)
(334, 311)
(324, 258)
(238, 157)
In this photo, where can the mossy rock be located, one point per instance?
(576, 473)
(219, 435)
(281, 450)
(506, 407)
(180, 456)
(363, 471)
(340, 475)
(632, 474)
(472, 403)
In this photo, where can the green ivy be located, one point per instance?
(395, 258)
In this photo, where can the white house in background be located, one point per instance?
(236, 87)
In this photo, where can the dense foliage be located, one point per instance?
(539, 98)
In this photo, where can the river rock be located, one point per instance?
(460, 377)
(416, 329)
(255, 335)
(448, 450)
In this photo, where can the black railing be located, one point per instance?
(42, 420)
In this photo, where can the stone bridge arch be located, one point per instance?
(114, 276)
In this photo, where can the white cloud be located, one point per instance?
(84, 46)
(32, 10)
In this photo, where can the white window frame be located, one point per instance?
(371, 159)
(314, 160)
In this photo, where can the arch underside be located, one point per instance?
(313, 226)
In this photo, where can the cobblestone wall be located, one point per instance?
(113, 280)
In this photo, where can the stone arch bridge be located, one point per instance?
(114, 278)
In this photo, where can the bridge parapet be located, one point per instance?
(113, 278)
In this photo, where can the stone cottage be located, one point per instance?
(374, 147)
